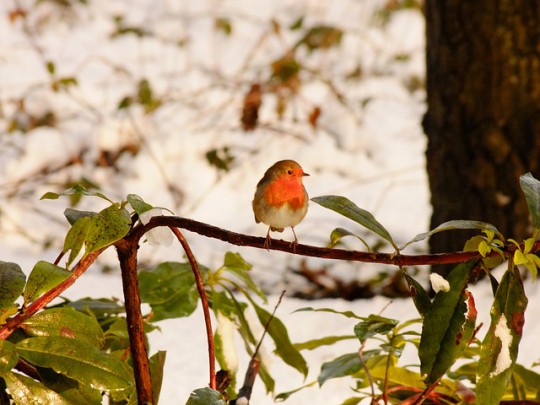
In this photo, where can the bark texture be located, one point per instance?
(483, 118)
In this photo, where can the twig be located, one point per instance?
(127, 255)
(254, 364)
(205, 306)
(313, 251)
(46, 298)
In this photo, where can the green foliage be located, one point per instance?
(448, 325)
(347, 208)
(78, 349)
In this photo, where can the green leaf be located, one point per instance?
(157, 363)
(224, 25)
(456, 340)
(297, 24)
(99, 307)
(325, 341)
(72, 390)
(138, 204)
(374, 325)
(284, 348)
(110, 225)
(78, 360)
(76, 237)
(44, 277)
(443, 325)
(321, 37)
(347, 208)
(65, 321)
(344, 365)
(8, 356)
(282, 396)
(76, 190)
(73, 215)
(236, 264)
(500, 346)
(26, 390)
(169, 289)
(339, 233)
(419, 295)
(348, 314)
(531, 188)
(526, 380)
(12, 281)
(50, 67)
(453, 225)
(205, 396)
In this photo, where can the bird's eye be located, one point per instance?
(289, 171)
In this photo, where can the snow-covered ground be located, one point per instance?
(368, 144)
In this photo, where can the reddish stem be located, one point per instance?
(205, 306)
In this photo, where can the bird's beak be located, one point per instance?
(305, 174)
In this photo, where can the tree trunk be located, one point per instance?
(483, 118)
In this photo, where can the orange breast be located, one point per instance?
(280, 192)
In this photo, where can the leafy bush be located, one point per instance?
(80, 351)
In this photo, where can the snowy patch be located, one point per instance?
(157, 236)
(504, 360)
(438, 283)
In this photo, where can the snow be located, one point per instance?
(368, 146)
(504, 360)
(439, 283)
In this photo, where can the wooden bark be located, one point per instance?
(483, 118)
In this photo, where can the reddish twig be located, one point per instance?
(127, 255)
(313, 251)
(26, 312)
(205, 306)
(255, 363)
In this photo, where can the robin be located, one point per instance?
(280, 199)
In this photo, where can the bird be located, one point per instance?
(281, 199)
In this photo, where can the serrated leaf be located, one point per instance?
(44, 276)
(110, 225)
(78, 360)
(205, 396)
(374, 325)
(170, 290)
(454, 225)
(138, 204)
(8, 356)
(12, 281)
(443, 325)
(344, 365)
(25, 390)
(65, 321)
(531, 188)
(347, 208)
(284, 348)
(500, 346)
